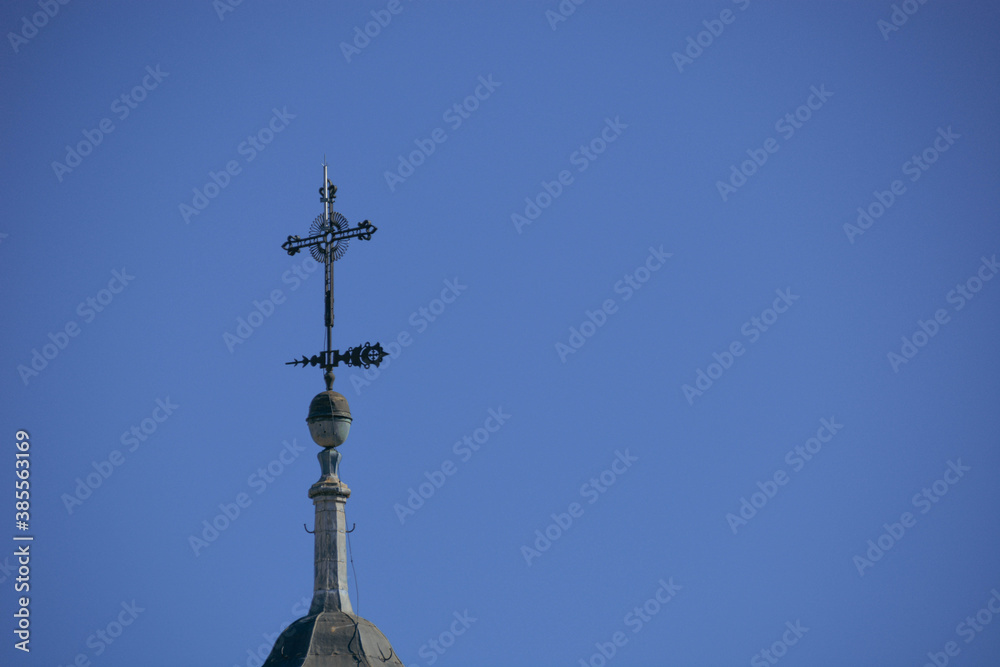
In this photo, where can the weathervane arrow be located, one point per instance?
(330, 233)
(362, 356)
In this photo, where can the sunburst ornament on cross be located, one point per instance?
(329, 235)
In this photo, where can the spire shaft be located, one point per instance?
(329, 494)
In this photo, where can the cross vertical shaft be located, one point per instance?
(328, 198)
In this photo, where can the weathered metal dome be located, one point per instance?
(332, 639)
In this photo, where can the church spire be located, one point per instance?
(331, 635)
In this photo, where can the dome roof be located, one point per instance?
(332, 639)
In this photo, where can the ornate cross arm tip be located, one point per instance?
(293, 245)
(370, 229)
(361, 356)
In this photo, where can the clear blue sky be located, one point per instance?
(627, 242)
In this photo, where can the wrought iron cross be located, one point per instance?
(329, 235)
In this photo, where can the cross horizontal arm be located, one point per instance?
(363, 231)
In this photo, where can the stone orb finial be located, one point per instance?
(329, 419)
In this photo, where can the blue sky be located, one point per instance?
(660, 393)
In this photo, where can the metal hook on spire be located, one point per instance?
(313, 532)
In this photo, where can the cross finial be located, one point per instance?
(327, 242)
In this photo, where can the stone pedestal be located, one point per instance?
(329, 495)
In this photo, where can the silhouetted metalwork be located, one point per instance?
(338, 232)
(329, 235)
(363, 355)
